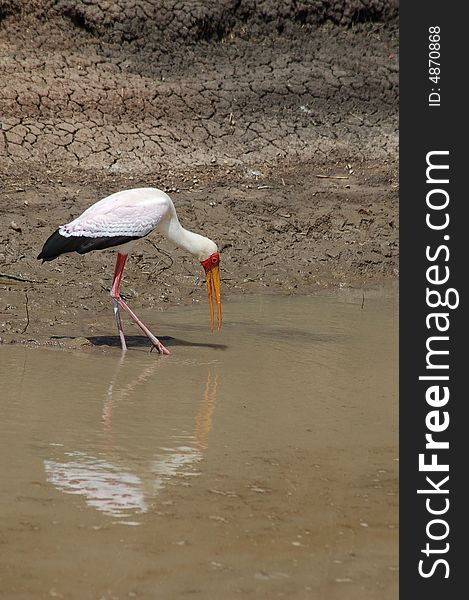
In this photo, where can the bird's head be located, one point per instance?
(211, 267)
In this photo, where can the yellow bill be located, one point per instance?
(212, 279)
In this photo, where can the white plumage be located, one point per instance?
(132, 213)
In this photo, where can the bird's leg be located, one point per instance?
(121, 258)
(115, 290)
(120, 329)
(154, 340)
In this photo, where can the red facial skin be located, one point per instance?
(211, 262)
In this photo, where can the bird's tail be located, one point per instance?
(56, 245)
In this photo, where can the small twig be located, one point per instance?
(363, 300)
(27, 311)
(332, 176)
(164, 267)
(18, 278)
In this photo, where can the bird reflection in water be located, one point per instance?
(203, 420)
(120, 490)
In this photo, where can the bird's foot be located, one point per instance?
(159, 346)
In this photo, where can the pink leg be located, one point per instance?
(115, 304)
(120, 329)
(117, 301)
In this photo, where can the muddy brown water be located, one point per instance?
(258, 463)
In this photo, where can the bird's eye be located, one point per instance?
(214, 260)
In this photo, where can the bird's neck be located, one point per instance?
(197, 245)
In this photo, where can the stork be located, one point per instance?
(120, 219)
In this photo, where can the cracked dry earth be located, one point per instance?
(273, 126)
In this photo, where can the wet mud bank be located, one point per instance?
(274, 238)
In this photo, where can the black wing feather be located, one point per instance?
(58, 244)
